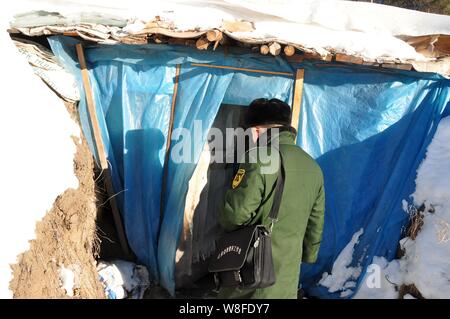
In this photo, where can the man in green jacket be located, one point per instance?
(297, 234)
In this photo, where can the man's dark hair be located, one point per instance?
(266, 112)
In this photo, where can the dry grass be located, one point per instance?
(409, 289)
(416, 216)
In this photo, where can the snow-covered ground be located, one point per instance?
(343, 277)
(36, 162)
(426, 262)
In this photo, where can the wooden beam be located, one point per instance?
(101, 153)
(240, 69)
(371, 63)
(70, 33)
(133, 39)
(297, 58)
(298, 94)
(398, 66)
(348, 59)
(317, 56)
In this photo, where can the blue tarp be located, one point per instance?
(368, 131)
(367, 128)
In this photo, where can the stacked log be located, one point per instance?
(289, 50)
(275, 48)
(202, 43)
(264, 49)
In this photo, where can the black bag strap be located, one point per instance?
(273, 215)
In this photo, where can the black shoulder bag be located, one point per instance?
(243, 258)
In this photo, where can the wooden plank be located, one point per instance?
(101, 153)
(240, 69)
(134, 40)
(348, 59)
(317, 56)
(70, 33)
(169, 140)
(172, 109)
(170, 33)
(13, 31)
(298, 94)
(296, 58)
(442, 46)
(371, 63)
(398, 66)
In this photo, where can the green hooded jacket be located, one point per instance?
(297, 234)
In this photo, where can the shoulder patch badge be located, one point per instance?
(238, 178)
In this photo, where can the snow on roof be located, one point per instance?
(370, 31)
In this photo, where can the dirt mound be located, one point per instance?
(66, 236)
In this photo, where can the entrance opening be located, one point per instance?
(205, 197)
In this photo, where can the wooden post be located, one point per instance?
(240, 69)
(101, 154)
(298, 93)
(172, 109)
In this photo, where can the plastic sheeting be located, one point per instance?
(368, 129)
(133, 90)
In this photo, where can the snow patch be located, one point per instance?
(37, 151)
(433, 182)
(343, 277)
(380, 280)
(405, 206)
(426, 260)
(67, 278)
